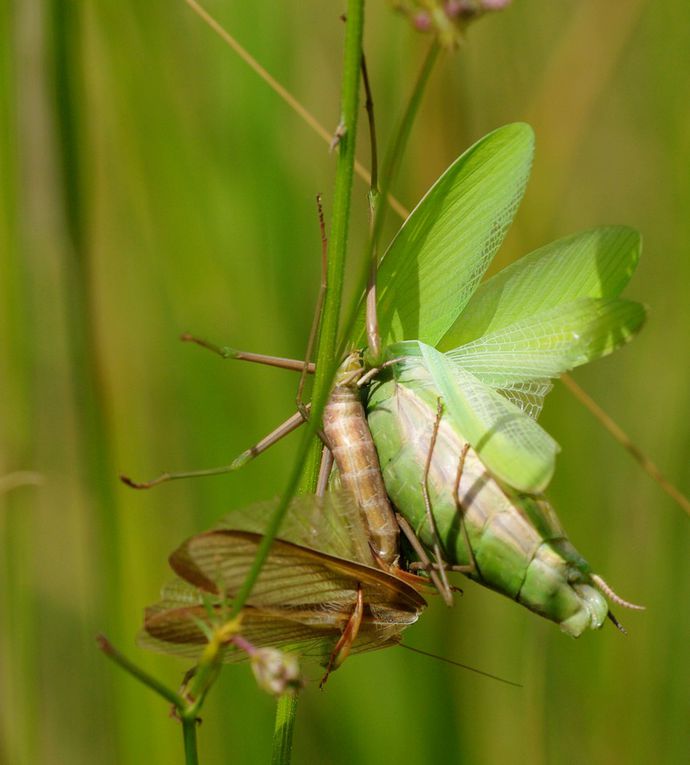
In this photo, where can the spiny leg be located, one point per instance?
(471, 568)
(324, 471)
(292, 423)
(323, 286)
(445, 589)
(424, 560)
(345, 642)
(424, 564)
(226, 352)
(373, 337)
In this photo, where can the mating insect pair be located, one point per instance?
(470, 477)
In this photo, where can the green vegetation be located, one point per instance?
(150, 184)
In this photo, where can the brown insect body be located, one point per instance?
(349, 439)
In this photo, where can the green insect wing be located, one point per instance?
(436, 261)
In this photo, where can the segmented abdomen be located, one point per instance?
(348, 436)
(515, 541)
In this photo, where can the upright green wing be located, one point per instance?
(553, 310)
(440, 254)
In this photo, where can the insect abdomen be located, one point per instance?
(515, 542)
(348, 436)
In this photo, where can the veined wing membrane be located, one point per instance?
(301, 602)
(175, 631)
(455, 229)
(292, 575)
(597, 263)
(550, 342)
(527, 395)
(331, 524)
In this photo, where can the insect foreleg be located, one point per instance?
(325, 468)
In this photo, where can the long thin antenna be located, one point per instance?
(612, 596)
(460, 665)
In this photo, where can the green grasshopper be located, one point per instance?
(555, 309)
(483, 465)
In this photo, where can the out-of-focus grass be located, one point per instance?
(197, 211)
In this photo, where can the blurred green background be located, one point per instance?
(151, 184)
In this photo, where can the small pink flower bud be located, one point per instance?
(422, 21)
(454, 8)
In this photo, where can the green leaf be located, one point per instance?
(597, 263)
(440, 254)
(510, 444)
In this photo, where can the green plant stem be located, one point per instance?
(325, 353)
(286, 711)
(186, 710)
(191, 756)
(390, 167)
(326, 358)
(139, 674)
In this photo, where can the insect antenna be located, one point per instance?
(611, 595)
(460, 665)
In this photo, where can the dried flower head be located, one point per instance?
(276, 672)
